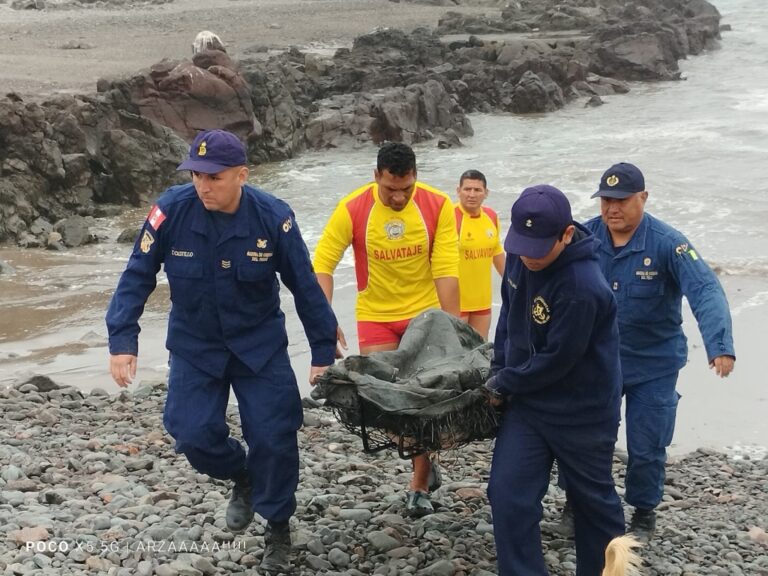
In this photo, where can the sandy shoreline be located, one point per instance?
(122, 41)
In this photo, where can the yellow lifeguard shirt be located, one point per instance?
(479, 242)
(398, 255)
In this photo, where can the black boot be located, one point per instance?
(277, 548)
(643, 525)
(239, 510)
(566, 528)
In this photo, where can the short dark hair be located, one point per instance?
(473, 175)
(396, 157)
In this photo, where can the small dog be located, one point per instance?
(620, 557)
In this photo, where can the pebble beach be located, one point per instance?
(90, 484)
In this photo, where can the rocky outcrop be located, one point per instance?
(409, 114)
(536, 94)
(460, 23)
(72, 154)
(190, 96)
(642, 56)
(283, 96)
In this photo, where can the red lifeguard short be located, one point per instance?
(375, 333)
(485, 312)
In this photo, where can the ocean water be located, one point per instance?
(702, 144)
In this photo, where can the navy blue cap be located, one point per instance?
(539, 216)
(620, 181)
(213, 151)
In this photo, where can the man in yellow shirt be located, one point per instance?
(403, 233)
(479, 250)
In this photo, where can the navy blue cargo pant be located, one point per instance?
(270, 414)
(522, 461)
(651, 409)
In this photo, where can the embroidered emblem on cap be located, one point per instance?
(202, 150)
(529, 223)
(612, 180)
(540, 310)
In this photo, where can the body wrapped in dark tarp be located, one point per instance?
(425, 396)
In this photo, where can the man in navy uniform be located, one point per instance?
(650, 266)
(222, 244)
(556, 370)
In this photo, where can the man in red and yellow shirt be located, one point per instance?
(403, 234)
(479, 249)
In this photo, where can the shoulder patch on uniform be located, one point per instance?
(686, 249)
(146, 242)
(156, 217)
(287, 225)
(540, 310)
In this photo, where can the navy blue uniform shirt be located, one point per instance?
(649, 277)
(556, 351)
(223, 282)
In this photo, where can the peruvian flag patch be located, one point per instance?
(156, 217)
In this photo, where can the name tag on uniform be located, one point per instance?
(259, 256)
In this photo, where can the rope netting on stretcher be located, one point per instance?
(424, 396)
